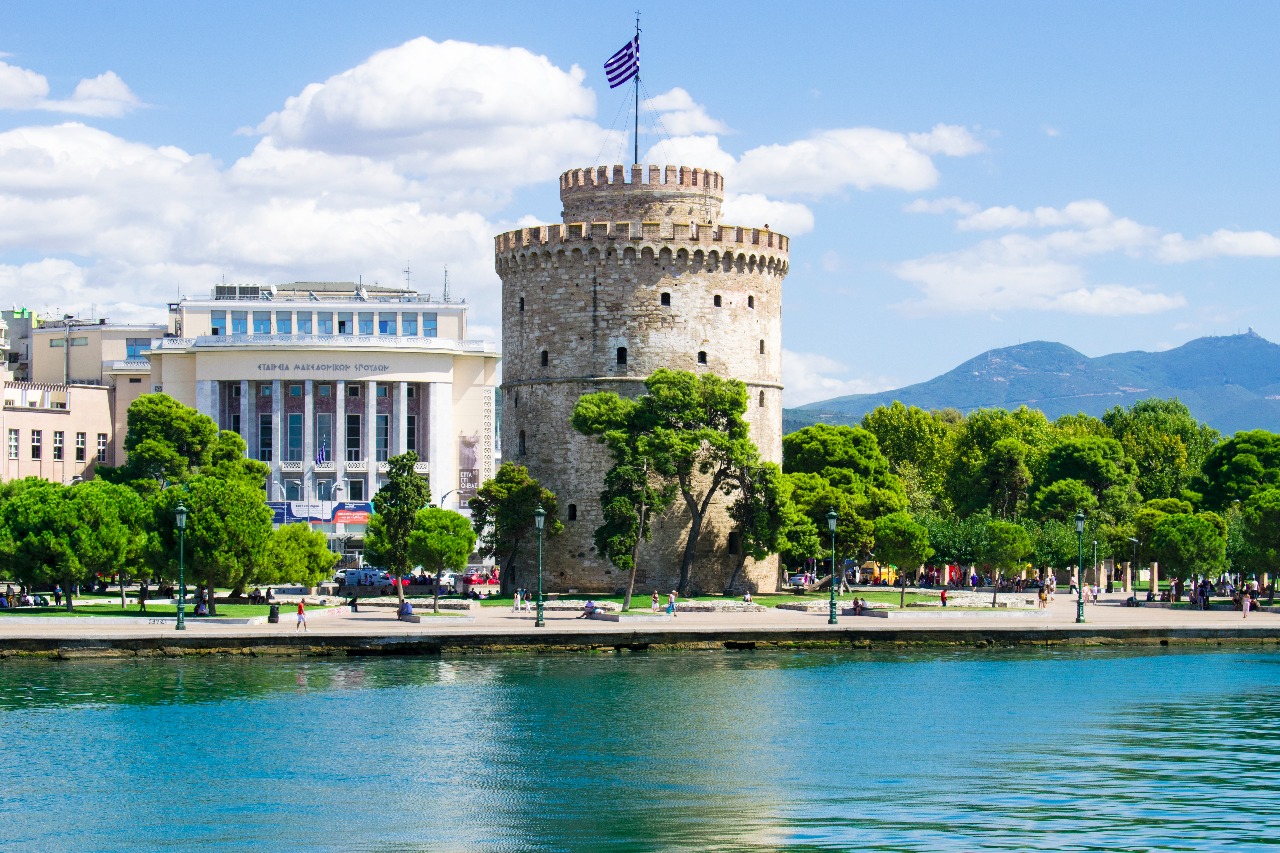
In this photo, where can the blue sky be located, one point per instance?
(955, 177)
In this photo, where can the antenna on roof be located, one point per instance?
(407, 275)
(446, 282)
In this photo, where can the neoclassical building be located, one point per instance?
(326, 380)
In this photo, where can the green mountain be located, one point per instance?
(1232, 383)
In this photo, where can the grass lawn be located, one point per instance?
(640, 603)
(237, 611)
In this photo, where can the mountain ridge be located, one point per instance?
(1231, 382)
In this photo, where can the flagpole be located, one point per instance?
(635, 152)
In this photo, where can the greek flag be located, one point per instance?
(323, 455)
(624, 65)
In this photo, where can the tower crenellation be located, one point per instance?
(639, 275)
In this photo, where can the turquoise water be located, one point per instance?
(997, 750)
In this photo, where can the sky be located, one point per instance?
(954, 177)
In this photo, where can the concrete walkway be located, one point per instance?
(1108, 615)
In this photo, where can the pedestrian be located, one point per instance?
(1043, 597)
(143, 592)
(671, 602)
(515, 602)
(302, 616)
(1244, 606)
(655, 602)
(944, 596)
(57, 595)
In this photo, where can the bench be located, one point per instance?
(409, 617)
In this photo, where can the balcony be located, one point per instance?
(422, 467)
(322, 467)
(359, 465)
(291, 465)
(343, 342)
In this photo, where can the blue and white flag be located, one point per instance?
(323, 456)
(624, 65)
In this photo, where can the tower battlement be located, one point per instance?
(671, 193)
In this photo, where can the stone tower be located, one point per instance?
(639, 275)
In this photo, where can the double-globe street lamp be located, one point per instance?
(831, 525)
(180, 521)
(1133, 585)
(1080, 568)
(539, 519)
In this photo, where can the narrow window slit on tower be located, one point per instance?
(522, 446)
(717, 300)
(545, 360)
(521, 303)
(762, 399)
(762, 347)
(573, 512)
(666, 299)
(622, 356)
(702, 357)
(751, 302)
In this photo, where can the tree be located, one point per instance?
(1234, 470)
(227, 536)
(297, 554)
(1167, 445)
(1190, 544)
(502, 516)
(919, 447)
(112, 535)
(814, 497)
(968, 481)
(440, 539)
(1257, 528)
(764, 513)
(690, 428)
(41, 527)
(1063, 499)
(165, 441)
(1005, 549)
(957, 540)
(396, 507)
(903, 542)
(1005, 477)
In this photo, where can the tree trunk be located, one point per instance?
(737, 570)
(66, 589)
(435, 598)
(213, 605)
(902, 597)
(690, 547)
(506, 582)
(400, 588)
(123, 580)
(995, 587)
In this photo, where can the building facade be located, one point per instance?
(327, 380)
(640, 274)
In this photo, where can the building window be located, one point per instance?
(58, 438)
(136, 347)
(522, 303)
(102, 447)
(386, 323)
(355, 490)
(622, 356)
(324, 390)
(762, 347)
(428, 324)
(522, 444)
(262, 322)
(265, 438)
(366, 323)
(382, 435)
(735, 542)
(665, 299)
(13, 443)
(218, 319)
(762, 399)
(702, 357)
(411, 432)
(264, 390)
(135, 380)
(324, 437)
(751, 302)
(37, 438)
(284, 322)
(324, 322)
(293, 437)
(573, 512)
(411, 392)
(545, 358)
(304, 322)
(353, 390)
(235, 390)
(717, 300)
(295, 390)
(381, 390)
(353, 440)
(235, 423)
(82, 440)
(409, 325)
(344, 323)
(239, 323)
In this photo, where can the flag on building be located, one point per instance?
(624, 65)
(323, 455)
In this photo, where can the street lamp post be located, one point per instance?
(831, 525)
(1080, 569)
(180, 521)
(1133, 587)
(539, 519)
(1097, 580)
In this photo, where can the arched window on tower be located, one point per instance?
(666, 299)
(521, 303)
(762, 399)
(522, 446)
(622, 356)
(716, 299)
(762, 346)
(702, 357)
(751, 302)
(545, 358)
(573, 512)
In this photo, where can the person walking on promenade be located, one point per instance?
(944, 596)
(1043, 597)
(515, 602)
(302, 616)
(655, 602)
(1244, 606)
(671, 602)
(143, 592)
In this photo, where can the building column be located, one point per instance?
(1155, 579)
(340, 436)
(308, 441)
(277, 437)
(371, 437)
(1128, 577)
(207, 399)
(442, 446)
(248, 416)
(401, 415)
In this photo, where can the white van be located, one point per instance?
(367, 577)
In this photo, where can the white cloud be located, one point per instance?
(755, 210)
(1087, 212)
(682, 116)
(948, 139)
(703, 151)
(950, 204)
(1051, 131)
(808, 377)
(105, 96)
(1174, 248)
(832, 161)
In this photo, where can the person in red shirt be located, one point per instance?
(302, 616)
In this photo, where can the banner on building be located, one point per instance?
(468, 467)
(320, 512)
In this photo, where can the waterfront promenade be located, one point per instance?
(376, 630)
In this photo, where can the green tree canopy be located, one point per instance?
(919, 447)
(968, 480)
(1190, 544)
(1234, 470)
(396, 507)
(441, 540)
(1005, 549)
(1061, 500)
(502, 516)
(297, 554)
(903, 542)
(165, 441)
(1167, 445)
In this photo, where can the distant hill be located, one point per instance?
(1231, 383)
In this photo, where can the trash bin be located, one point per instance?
(273, 615)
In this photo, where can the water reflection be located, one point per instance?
(1055, 750)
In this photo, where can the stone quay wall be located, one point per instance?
(599, 305)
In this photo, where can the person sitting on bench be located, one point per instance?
(588, 609)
